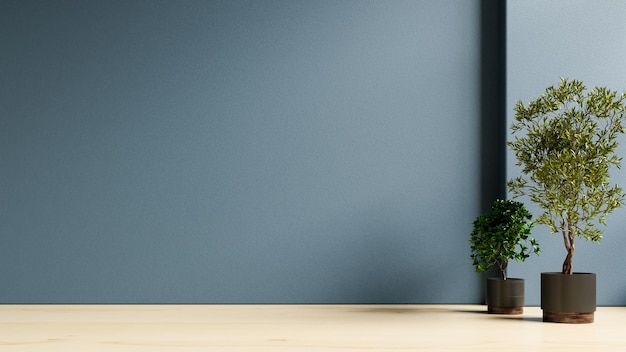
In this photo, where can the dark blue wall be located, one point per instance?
(239, 151)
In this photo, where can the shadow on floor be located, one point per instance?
(518, 318)
(392, 310)
(472, 311)
(501, 316)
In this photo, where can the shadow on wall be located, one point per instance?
(493, 109)
(493, 103)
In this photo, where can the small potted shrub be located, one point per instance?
(498, 236)
(566, 149)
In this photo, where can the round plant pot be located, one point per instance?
(568, 298)
(505, 296)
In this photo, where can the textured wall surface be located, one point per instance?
(239, 151)
(584, 40)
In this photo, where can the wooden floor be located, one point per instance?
(250, 328)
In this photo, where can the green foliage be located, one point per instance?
(502, 235)
(566, 147)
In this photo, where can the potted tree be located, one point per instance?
(497, 237)
(566, 149)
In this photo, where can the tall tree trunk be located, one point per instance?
(568, 268)
(568, 238)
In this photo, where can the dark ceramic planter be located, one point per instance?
(568, 298)
(505, 296)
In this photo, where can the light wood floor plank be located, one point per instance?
(296, 328)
